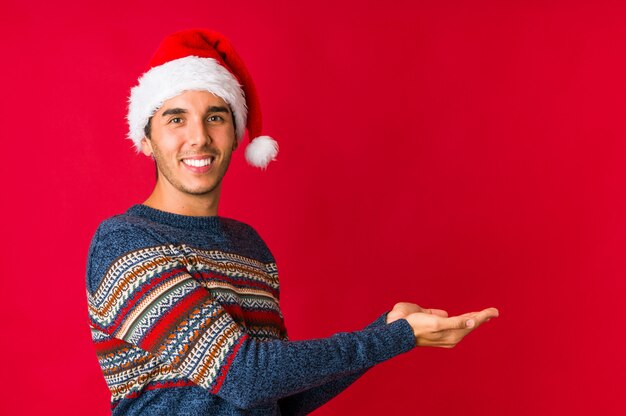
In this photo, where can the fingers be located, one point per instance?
(486, 314)
(456, 322)
(469, 320)
(438, 319)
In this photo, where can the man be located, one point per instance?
(183, 303)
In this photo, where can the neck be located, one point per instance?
(178, 202)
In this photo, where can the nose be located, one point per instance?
(199, 134)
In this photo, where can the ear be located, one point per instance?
(235, 144)
(146, 146)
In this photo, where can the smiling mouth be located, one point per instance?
(199, 163)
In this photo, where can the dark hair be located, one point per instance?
(147, 128)
(146, 132)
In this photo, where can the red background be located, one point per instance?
(457, 154)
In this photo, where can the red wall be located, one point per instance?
(457, 154)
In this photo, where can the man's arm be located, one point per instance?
(309, 400)
(434, 330)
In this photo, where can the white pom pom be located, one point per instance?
(261, 151)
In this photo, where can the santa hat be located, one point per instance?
(201, 60)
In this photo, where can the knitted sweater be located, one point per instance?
(185, 318)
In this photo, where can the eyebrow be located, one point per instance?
(173, 111)
(212, 109)
(218, 109)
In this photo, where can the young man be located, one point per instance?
(183, 303)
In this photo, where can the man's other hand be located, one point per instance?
(433, 327)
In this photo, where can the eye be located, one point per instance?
(176, 120)
(215, 118)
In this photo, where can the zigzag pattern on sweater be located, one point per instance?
(169, 315)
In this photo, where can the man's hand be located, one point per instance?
(433, 327)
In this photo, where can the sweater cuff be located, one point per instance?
(380, 321)
(400, 336)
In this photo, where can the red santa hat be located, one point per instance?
(201, 60)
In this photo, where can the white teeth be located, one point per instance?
(198, 162)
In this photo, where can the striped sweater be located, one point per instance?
(184, 314)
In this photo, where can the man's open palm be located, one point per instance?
(433, 327)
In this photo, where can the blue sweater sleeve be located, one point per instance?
(267, 371)
(309, 400)
(143, 297)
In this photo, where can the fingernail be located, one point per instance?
(470, 323)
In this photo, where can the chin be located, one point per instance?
(199, 189)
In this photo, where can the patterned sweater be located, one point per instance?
(185, 318)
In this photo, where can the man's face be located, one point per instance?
(192, 139)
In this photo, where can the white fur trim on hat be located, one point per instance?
(261, 151)
(172, 78)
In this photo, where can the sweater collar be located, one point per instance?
(211, 222)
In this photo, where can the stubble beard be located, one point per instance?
(166, 173)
